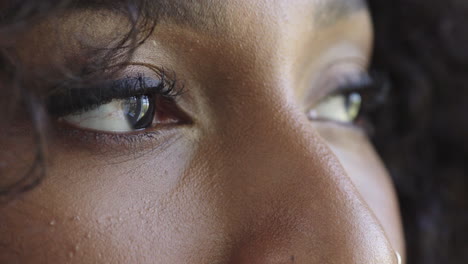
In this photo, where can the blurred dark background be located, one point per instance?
(422, 130)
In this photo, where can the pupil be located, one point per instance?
(139, 111)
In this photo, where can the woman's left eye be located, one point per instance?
(355, 97)
(118, 116)
(342, 108)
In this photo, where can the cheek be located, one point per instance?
(368, 174)
(92, 208)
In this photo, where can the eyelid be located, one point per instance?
(371, 91)
(349, 84)
(331, 79)
(69, 100)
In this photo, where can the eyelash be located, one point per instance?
(373, 87)
(75, 99)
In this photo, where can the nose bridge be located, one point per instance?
(295, 196)
(286, 166)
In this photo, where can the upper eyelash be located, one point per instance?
(375, 86)
(364, 82)
(374, 89)
(71, 100)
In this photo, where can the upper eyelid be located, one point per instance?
(67, 100)
(350, 82)
(325, 80)
(362, 82)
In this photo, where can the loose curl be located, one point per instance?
(16, 16)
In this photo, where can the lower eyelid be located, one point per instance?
(340, 126)
(336, 123)
(137, 143)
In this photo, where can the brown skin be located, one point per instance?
(249, 180)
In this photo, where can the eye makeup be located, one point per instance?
(65, 101)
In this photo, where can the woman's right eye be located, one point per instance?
(118, 116)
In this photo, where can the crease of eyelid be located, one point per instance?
(78, 82)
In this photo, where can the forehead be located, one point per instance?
(284, 25)
(216, 15)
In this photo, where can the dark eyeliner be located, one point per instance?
(65, 100)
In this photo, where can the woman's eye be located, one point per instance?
(118, 116)
(342, 108)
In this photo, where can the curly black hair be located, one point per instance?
(421, 133)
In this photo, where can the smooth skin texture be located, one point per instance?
(249, 180)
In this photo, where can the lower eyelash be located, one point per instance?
(132, 145)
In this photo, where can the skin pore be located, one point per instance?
(250, 179)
